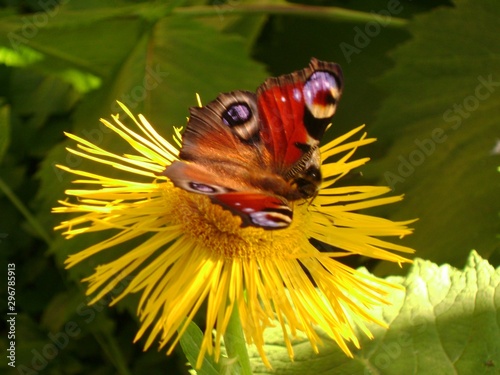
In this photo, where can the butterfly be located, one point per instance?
(254, 154)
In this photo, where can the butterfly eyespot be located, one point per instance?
(272, 219)
(202, 188)
(237, 114)
(240, 115)
(321, 93)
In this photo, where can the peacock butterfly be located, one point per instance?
(255, 153)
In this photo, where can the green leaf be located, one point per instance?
(238, 362)
(445, 323)
(191, 345)
(439, 126)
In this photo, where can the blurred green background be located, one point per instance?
(424, 76)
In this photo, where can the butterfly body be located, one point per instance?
(253, 154)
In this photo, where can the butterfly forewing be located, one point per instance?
(295, 110)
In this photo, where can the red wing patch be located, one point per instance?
(257, 209)
(281, 109)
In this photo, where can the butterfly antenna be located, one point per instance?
(310, 201)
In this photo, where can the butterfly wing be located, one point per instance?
(252, 153)
(295, 110)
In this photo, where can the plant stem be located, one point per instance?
(332, 13)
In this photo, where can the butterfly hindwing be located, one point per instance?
(255, 208)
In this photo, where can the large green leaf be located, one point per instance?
(446, 323)
(439, 126)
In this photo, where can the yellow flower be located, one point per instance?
(197, 251)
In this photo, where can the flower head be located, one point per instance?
(197, 251)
